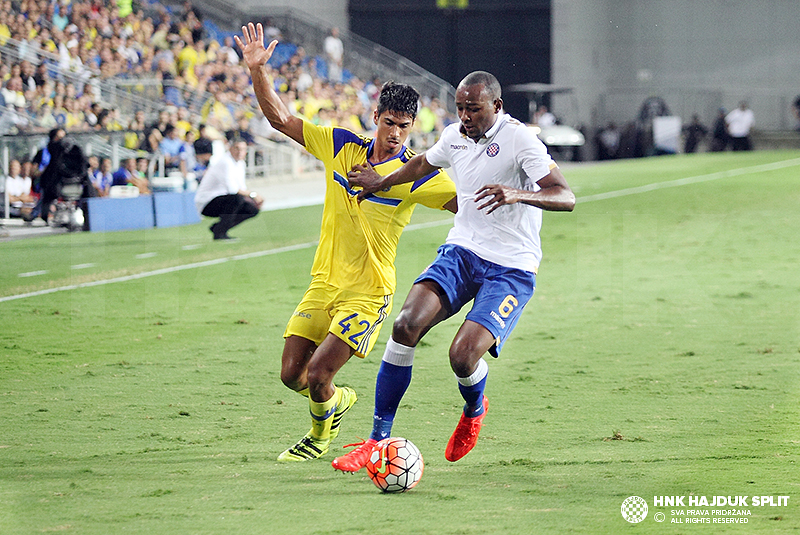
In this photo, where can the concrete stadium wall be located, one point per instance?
(698, 56)
(332, 11)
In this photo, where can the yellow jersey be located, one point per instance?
(358, 241)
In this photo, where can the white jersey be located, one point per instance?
(224, 176)
(509, 154)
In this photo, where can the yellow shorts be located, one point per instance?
(353, 317)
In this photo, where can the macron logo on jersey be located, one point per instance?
(499, 320)
(459, 147)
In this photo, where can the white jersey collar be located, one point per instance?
(501, 118)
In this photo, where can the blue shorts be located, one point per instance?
(500, 292)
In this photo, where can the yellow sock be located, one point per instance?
(322, 416)
(303, 392)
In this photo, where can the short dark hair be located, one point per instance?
(54, 132)
(233, 138)
(398, 98)
(486, 79)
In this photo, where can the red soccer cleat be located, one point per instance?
(466, 435)
(356, 459)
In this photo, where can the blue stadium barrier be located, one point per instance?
(172, 209)
(120, 214)
(167, 209)
(190, 214)
(162, 210)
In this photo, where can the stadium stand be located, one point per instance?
(108, 77)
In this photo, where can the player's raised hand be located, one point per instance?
(495, 196)
(365, 177)
(253, 51)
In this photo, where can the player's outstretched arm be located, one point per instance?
(366, 177)
(256, 57)
(555, 195)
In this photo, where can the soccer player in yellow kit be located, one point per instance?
(353, 275)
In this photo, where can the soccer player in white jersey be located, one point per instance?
(504, 178)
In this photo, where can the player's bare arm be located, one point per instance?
(555, 195)
(256, 57)
(365, 176)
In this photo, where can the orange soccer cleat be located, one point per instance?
(356, 459)
(466, 435)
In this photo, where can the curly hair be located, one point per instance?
(398, 98)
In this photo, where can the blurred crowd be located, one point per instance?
(58, 57)
(59, 52)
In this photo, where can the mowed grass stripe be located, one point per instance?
(686, 181)
(731, 173)
(164, 271)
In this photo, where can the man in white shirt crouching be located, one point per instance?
(223, 193)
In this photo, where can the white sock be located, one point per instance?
(477, 376)
(398, 354)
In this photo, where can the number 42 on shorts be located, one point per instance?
(347, 325)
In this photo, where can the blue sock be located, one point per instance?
(390, 387)
(471, 389)
(394, 376)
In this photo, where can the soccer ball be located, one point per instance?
(395, 465)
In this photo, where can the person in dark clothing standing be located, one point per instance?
(67, 164)
(719, 136)
(695, 132)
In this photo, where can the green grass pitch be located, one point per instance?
(660, 356)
